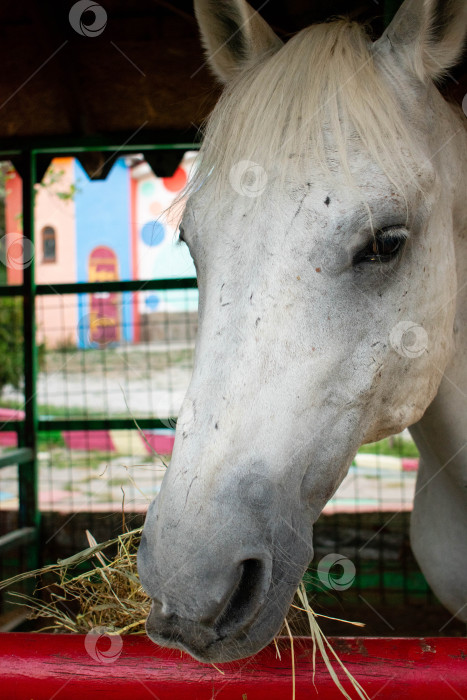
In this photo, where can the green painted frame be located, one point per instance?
(27, 533)
(27, 152)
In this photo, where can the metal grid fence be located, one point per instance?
(99, 414)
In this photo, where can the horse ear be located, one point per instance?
(429, 35)
(234, 35)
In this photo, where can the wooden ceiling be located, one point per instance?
(145, 73)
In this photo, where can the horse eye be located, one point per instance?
(386, 245)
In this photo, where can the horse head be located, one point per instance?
(322, 222)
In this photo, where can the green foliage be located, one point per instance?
(396, 446)
(11, 343)
(50, 440)
(54, 177)
(5, 175)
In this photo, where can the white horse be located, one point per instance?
(328, 225)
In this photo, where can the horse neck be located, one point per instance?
(442, 432)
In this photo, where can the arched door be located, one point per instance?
(104, 321)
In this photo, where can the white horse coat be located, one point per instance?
(328, 226)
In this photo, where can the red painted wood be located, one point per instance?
(42, 666)
(162, 444)
(409, 464)
(88, 440)
(9, 439)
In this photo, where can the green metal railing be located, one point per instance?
(25, 456)
(30, 156)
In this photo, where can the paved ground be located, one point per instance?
(95, 482)
(143, 380)
(158, 396)
(139, 381)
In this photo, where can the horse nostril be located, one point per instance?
(246, 597)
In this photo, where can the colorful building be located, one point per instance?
(154, 232)
(55, 249)
(96, 231)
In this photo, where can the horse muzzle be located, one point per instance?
(220, 631)
(222, 572)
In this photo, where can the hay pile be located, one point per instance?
(110, 595)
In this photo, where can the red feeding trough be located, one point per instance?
(69, 667)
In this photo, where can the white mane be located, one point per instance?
(280, 113)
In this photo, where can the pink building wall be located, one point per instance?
(56, 315)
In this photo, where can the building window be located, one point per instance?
(49, 249)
